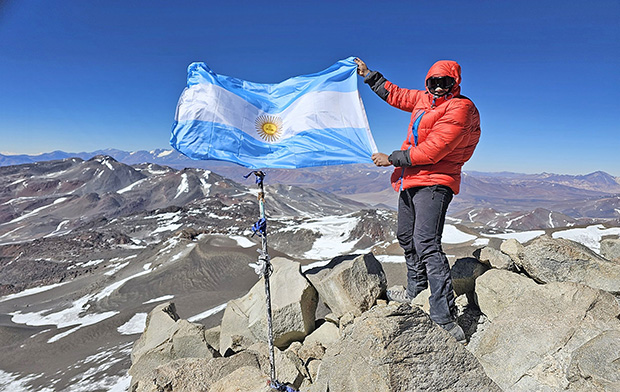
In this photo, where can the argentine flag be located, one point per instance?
(310, 120)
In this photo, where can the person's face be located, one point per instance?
(438, 91)
(440, 86)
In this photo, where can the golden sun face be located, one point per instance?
(269, 127)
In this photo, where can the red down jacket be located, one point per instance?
(448, 131)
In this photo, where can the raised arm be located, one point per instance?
(401, 98)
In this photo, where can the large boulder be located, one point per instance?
(610, 249)
(166, 339)
(535, 331)
(549, 259)
(349, 284)
(394, 348)
(293, 306)
(498, 289)
(160, 323)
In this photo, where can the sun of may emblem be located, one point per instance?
(269, 127)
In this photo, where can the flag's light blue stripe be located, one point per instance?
(207, 140)
(273, 98)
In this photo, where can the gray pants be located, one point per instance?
(421, 216)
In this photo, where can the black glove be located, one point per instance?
(400, 158)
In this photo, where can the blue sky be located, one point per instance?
(87, 75)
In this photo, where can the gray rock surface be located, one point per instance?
(165, 340)
(349, 284)
(610, 249)
(513, 248)
(293, 305)
(159, 325)
(496, 290)
(595, 366)
(549, 259)
(494, 258)
(534, 330)
(398, 348)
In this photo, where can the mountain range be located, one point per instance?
(582, 198)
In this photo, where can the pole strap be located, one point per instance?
(278, 386)
(260, 227)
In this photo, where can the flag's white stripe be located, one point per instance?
(314, 110)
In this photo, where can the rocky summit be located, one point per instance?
(118, 275)
(525, 336)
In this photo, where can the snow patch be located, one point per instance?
(169, 227)
(164, 153)
(333, 230)
(115, 268)
(589, 236)
(521, 236)
(183, 186)
(111, 288)
(32, 291)
(135, 325)
(64, 318)
(131, 186)
(390, 259)
(452, 235)
(207, 313)
(480, 242)
(159, 299)
(14, 383)
(98, 365)
(242, 241)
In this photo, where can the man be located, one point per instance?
(442, 136)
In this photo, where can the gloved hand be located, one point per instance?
(400, 158)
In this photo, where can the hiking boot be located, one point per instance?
(398, 295)
(456, 331)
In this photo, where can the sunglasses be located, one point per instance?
(444, 82)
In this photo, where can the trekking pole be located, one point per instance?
(264, 267)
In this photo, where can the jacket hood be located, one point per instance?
(446, 68)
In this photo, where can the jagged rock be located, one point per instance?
(595, 366)
(327, 334)
(235, 335)
(498, 289)
(610, 249)
(159, 325)
(421, 300)
(535, 329)
(203, 374)
(245, 379)
(332, 318)
(286, 369)
(464, 273)
(181, 375)
(212, 336)
(513, 248)
(548, 259)
(494, 258)
(186, 340)
(345, 321)
(195, 374)
(349, 284)
(398, 348)
(293, 305)
(311, 350)
(313, 369)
